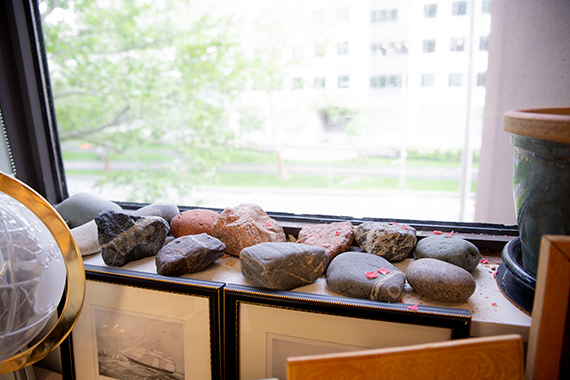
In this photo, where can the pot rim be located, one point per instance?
(551, 124)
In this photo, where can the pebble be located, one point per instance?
(244, 226)
(188, 254)
(124, 238)
(193, 222)
(335, 238)
(356, 274)
(81, 208)
(392, 241)
(282, 265)
(452, 249)
(440, 280)
(166, 210)
(86, 238)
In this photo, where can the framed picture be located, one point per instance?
(138, 326)
(264, 327)
(548, 354)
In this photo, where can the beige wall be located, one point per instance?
(529, 67)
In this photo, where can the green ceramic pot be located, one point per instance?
(541, 180)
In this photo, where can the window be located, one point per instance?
(455, 80)
(483, 43)
(457, 44)
(384, 15)
(459, 8)
(429, 46)
(343, 81)
(383, 81)
(378, 81)
(297, 83)
(342, 48)
(393, 15)
(396, 80)
(430, 10)
(428, 80)
(319, 82)
(320, 49)
(297, 53)
(486, 6)
(481, 79)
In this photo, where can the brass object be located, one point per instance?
(75, 285)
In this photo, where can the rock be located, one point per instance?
(86, 238)
(125, 238)
(334, 237)
(347, 275)
(452, 249)
(81, 208)
(440, 280)
(193, 222)
(188, 254)
(282, 266)
(246, 225)
(392, 241)
(166, 210)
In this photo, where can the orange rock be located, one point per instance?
(193, 222)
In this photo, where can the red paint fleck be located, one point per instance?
(495, 275)
(449, 233)
(483, 261)
(383, 271)
(413, 307)
(371, 275)
(337, 233)
(436, 232)
(405, 227)
(494, 304)
(268, 224)
(394, 223)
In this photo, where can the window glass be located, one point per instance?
(457, 44)
(459, 8)
(213, 103)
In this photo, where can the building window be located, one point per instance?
(379, 48)
(394, 15)
(400, 47)
(342, 48)
(486, 6)
(320, 82)
(483, 43)
(457, 44)
(429, 46)
(378, 81)
(455, 80)
(430, 10)
(297, 83)
(297, 53)
(320, 49)
(481, 79)
(343, 81)
(384, 15)
(428, 80)
(342, 14)
(459, 8)
(395, 80)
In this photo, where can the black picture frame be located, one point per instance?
(296, 307)
(145, 286)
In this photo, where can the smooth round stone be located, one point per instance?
(193, 222)
(440, 280)
(452, 249)
(81, 208)
(86, 238)
(282, 265)
(166, 210)
(346, 275)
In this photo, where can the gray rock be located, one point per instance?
(347, 275)
(392, 241)
(86, 238)
(452, 249)
(125, 238)
(81, 208)
(282, 265)
(166, 210)
(440, 280)
(188, 254)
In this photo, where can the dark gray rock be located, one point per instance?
(392, 241)
(188, 254)
(347, 275)
(440, 280)
(124, 238)
(282, 265)
(81, 208)
(452, 249)
(166, 210)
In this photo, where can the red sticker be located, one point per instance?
(371, 275)
(494, 304)
(268, 224)
(413, 307)
(483, 261)
(383, 271)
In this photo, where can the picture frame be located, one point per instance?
(548, 354)
(263, 327)
(137, 325)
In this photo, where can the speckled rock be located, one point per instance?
(193, 222)
(334, 237)
(188, 254)
(452, 249)
(392, 241)
(86, 238)
(125, 238)
(440, 280)
(282, 266)
(356, 274)
(81, 208)
(246, 225)
(166, 210)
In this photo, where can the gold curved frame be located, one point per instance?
(75, 285)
